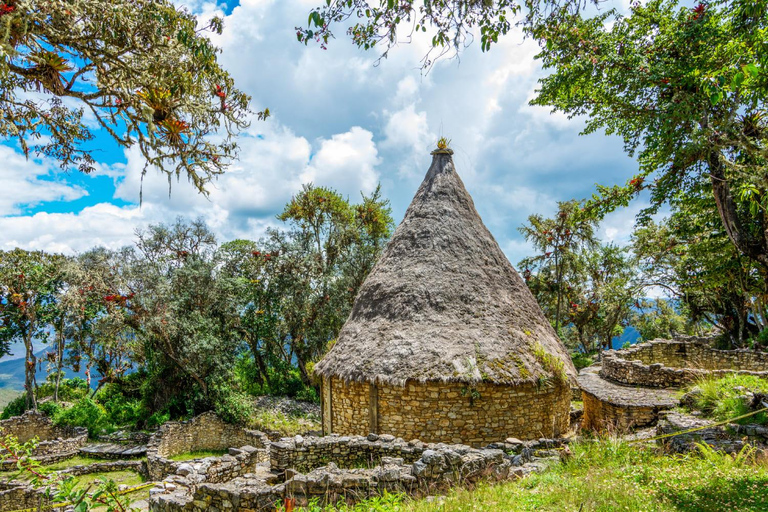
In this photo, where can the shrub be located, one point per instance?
(121, 410)
(50, 408)
(157, 419)
(85, 413)
(582, 360)
(15, 407)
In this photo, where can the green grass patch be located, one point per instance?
(129, 478)
(287, 425)
(723, 398)
(199, 454)
(608, 476)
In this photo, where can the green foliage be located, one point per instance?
(686, 89)
(121, 410)
(582, 360)
(725, 398)
(15, 407)
(85, 413)
(586, 289)
(50, 408)
(168, 96)
(659, 318)
(383, 23)
(157, 419)
(70, 390)
(233, 406)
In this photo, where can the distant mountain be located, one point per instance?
(12, 372)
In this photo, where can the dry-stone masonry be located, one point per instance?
(612, 406)
(55, 442)
(450, 411)
(421, 469)
(675, 363)
(14, 496)
(206, 432)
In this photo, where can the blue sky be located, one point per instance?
(340, 121)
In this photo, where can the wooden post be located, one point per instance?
(373, 408)
(327, 407)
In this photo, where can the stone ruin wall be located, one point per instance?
(438, 411)
(56, 442)
(205, 432)
(304, 454)
(420, 469)
(601, 415)
(17, 497)
(675, 363)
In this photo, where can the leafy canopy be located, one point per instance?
(142, 70)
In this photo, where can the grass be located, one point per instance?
(129, 478)
(74, 461)
(199, 454)
(610, 475)
(287, 425)
(722, 398)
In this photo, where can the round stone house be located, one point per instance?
(445, 343)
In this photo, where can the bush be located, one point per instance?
(85, 413)
(284, 380)
(233, 406)
(582, 360)
(121, 410)
(50, 408)
(70, 390)
(157, 419)
(15, 407)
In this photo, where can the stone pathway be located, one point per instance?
(113, 451)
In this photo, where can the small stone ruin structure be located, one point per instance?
(206, 432)
(445, 342)
(56, 442)
(634, 386)
(675, 363)
(351, 468)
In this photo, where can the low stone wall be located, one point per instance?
(675, 363)
(14, 497)
(206, 432)
(447, 412)
(303, 454)
(436, 468)
(55, 442)
(611, 406)
(139, 466)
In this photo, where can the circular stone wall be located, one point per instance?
(55, 442)
(446, 412)
(202, 433)
(674, 363)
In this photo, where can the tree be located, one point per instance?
(691, 257)
(182, 314)
(29, 283)
(142, 69)
(559, 240)
(686, 89)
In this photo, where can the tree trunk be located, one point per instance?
(30, 365)
(59, 364)
(750, 246)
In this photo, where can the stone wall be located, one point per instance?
(602, 415)
(55, 442)
(449, 412)
(437, 467)
(205, 432)
(675, 363)
(303, 454)
(15, 497)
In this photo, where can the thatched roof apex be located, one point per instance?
(444, 303)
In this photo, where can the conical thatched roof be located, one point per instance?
(444, 303)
